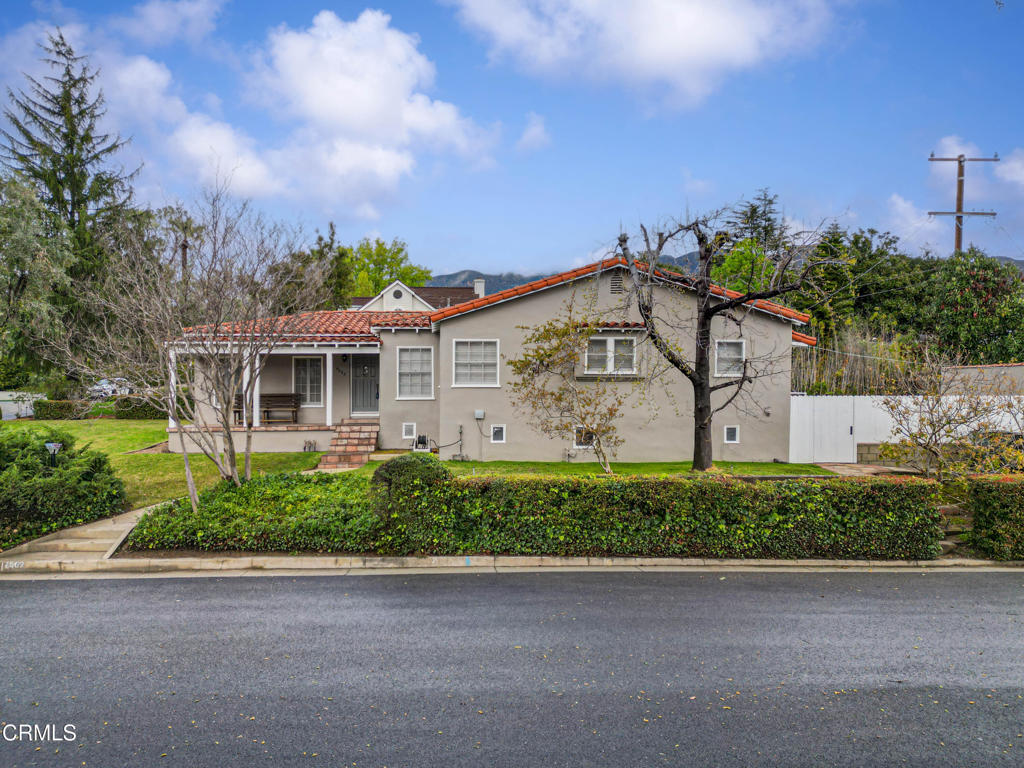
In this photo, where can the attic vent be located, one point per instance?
(616, 283)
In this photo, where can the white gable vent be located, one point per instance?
(616, 283)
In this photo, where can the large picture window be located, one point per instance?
(729, 357)
(415, 373)
(475, 363)
(611, 354)
(309, 377)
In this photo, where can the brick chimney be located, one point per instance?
(478, 287)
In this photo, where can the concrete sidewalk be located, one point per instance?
(245, 565)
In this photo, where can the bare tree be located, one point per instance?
(778, 266)
(953, 420)
(188, 314)
(560, 400)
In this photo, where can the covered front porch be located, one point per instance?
(316, 385)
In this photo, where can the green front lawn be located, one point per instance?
(628, 468)
(153, 477)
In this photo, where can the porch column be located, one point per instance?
(329, 400)
(246, 377)
(256, 395)
(172, 364)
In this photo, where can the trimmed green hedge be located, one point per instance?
(60, 409)
(128, 407)
(629, 516)
(36, 498)
(997, 506)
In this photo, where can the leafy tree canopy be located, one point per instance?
(978, 308)
(377, 264)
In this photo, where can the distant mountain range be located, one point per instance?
(498, 282)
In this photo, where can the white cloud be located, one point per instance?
(160, 22)
(1011, 168)
(914, 226)
(363, 81)
(216, 151)
(695, 187)
(535, 135)
(681, 48)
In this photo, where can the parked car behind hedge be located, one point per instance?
(36, 498)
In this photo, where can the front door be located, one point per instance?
(365, 390)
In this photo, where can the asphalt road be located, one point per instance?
(615, 669)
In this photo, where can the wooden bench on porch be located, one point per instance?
(273, 403)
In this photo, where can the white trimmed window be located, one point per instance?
(583, 438)
(309, 380)
(611, 354)
(475, 363)
(409, 430)
(732, 434)
(729, 357)
(415, 373)
(497, 433)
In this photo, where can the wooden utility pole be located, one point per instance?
(961, 166)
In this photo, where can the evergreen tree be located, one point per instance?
(55, 142)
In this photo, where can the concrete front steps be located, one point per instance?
(83, 543)
(354, 440)
(955, 522)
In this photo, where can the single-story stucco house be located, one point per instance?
(433, 362)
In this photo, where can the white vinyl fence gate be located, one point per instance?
(829, 428)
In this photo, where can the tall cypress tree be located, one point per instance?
(55, 141)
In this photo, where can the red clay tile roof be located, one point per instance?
(343, 325)
(803, 338)
(599, 266)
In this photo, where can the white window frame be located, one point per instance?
(743, 359)
(609, 364)
(504, 434)
(576, 445)
(409, 424)
(398, 375)
(497, 371)
(295, 387)
(725, 434)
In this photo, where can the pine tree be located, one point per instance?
(55, 141)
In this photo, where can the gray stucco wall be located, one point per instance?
(395, 412)
(663, 432)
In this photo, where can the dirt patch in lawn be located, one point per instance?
(154, 448)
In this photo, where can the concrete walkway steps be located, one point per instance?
(91, 542)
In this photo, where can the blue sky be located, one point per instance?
(521, 134)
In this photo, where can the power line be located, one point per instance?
(961, 166)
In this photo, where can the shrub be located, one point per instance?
(316, 513)
(60, 409)
(997, 506)
(127, 407)
(411, 470)
(36, 498)
(422, 511)
(705, 517)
